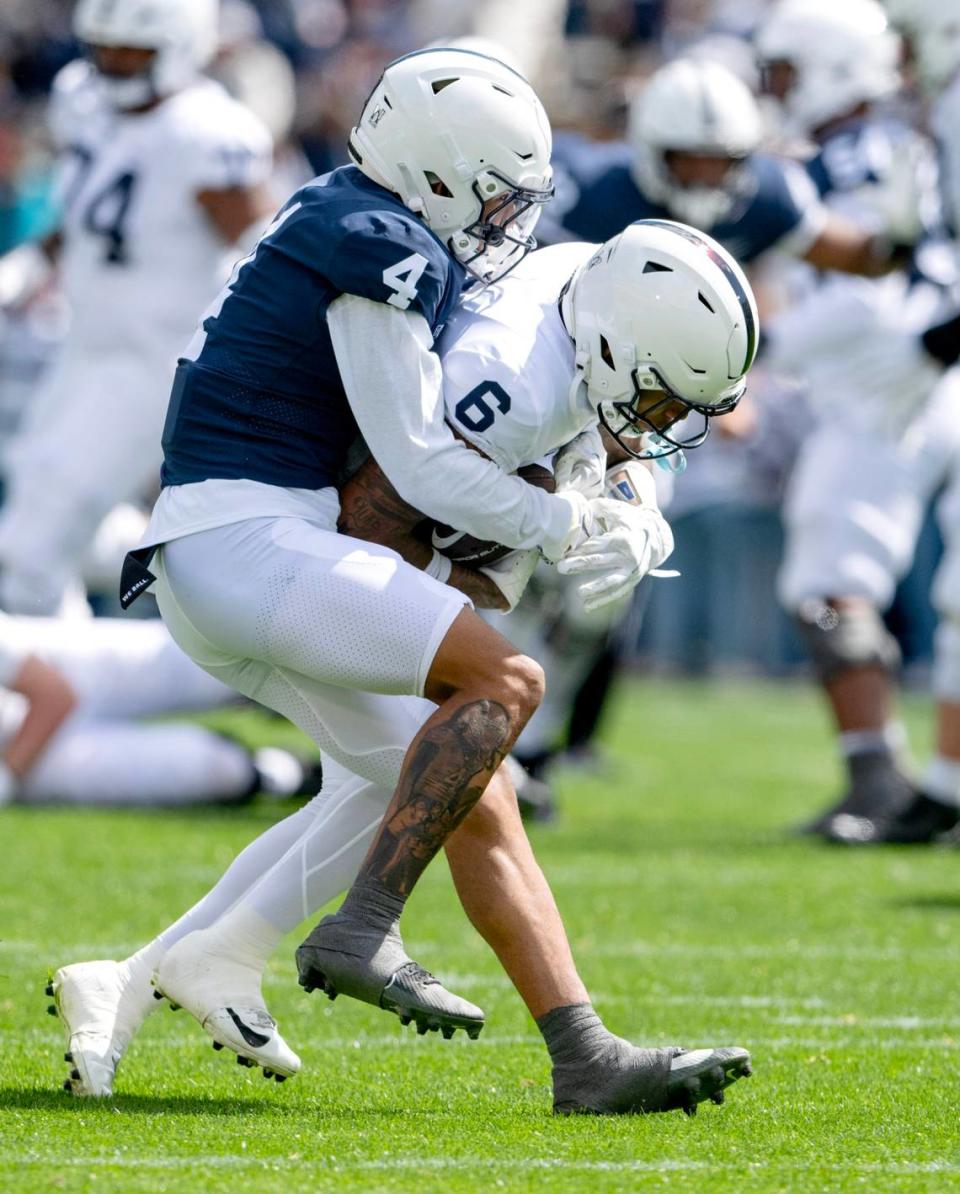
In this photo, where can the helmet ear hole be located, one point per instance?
(437, 185)
(606, 353)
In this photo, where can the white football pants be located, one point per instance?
(323, 628)
(855, 503)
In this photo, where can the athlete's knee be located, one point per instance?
(841, 634)
(523, 683)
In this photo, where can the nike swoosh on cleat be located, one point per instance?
(256, 1040)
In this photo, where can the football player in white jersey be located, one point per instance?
(160, 172)
(933, 29)
(885, 426)
(72, 699)
(656, 325)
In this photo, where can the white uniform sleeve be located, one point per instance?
(393, 382)
(802, 237)
(229, 147)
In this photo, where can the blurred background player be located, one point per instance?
(693, 154)
(160, 171)
(879, 443)
(932, 31)
(73, 697)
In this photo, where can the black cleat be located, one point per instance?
(878, 790)
(217, 1045)
(626, 1080)
(51, 1010)
(268, 1073)
(48, 990)
(68, 1086)
(922, 822)
(157, 994)
(68, 1057)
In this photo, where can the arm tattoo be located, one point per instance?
(447, 774)
(371, 509)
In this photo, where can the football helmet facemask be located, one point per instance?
(665, 327)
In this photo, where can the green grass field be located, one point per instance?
(695, 920)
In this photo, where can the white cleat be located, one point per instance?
(101, 1006)
(223, 996)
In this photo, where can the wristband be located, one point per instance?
(439, 568)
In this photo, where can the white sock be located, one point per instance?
(941, 780)
(891, 739)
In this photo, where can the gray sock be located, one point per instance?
(574, 1034)
(594, 1070)
(369, 901)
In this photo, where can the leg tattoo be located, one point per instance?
(435, 792)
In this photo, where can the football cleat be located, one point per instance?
(922, 822)
(343, 956)
(879, 790)
(101, 1006)
(224, 997)
(630, 1081)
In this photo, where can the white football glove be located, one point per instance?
(580, 465)
(512, 573)
(628, 536)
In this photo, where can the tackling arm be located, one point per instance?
(844, 246)
(371, 509)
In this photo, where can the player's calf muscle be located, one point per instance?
(444, 777)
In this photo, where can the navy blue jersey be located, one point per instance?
(597, 196)
(259, 394)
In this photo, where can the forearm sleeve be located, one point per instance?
(393, 381)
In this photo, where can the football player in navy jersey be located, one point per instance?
(692, 155)
(885, 429)
(324, 332)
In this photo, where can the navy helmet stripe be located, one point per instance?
(750, 324)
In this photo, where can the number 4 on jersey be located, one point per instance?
(402, 279)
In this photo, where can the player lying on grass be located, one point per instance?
(522, 379)
(72, 695)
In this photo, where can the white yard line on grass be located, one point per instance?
(466, 1164)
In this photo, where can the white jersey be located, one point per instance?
(508, 363)
(141, 259)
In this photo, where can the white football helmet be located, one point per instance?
(661, 307)
(933, 27)
(182, 32)
(449, 130)
(693, 107)
(843, 52)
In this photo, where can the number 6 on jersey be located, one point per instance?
(402, 279)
